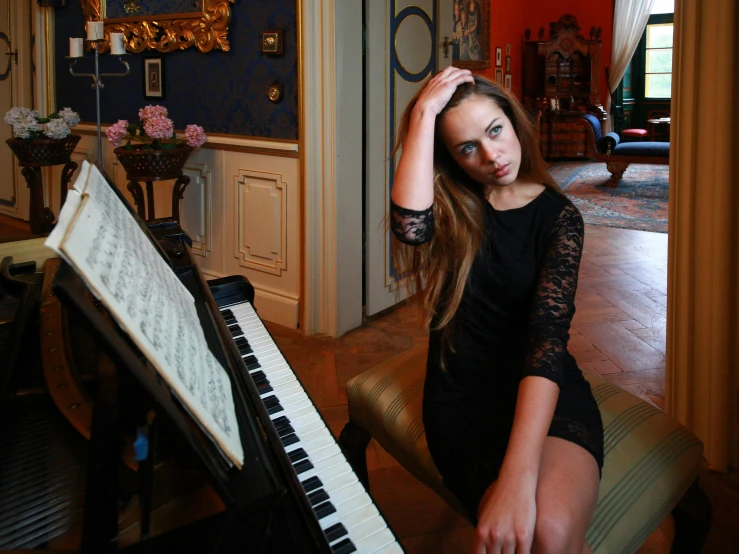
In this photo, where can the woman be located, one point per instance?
(510, 421)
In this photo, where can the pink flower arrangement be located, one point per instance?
(155, 131)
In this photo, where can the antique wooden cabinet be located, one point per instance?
(561, 81)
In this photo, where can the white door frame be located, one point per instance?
(331, 163)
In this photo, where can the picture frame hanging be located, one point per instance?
(498, 56)
(154, 81)
(499, 75)
(507, 81)
(508, 64)
(471, 34)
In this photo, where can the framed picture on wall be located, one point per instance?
(508, 64)
(507, 49)
(498, 56)
(154, 77)
(499, 75)
(507, 81)
(471, 34)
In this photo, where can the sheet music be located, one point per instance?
(103, 242)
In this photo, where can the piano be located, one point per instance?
(95, 450)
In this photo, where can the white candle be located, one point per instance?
(95, 30)
(117, 47)
(75, 47)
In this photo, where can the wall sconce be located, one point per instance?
(273, 42)
(274, 93)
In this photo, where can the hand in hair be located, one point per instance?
(440, 89)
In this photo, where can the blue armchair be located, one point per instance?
(619, 155)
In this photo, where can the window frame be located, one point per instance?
(639, 61)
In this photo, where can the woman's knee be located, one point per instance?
(557, 532)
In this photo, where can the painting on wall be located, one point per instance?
(154, 77)
(471, 34)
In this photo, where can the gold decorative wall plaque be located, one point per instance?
(206, 29)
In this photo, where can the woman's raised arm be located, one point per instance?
(413, 186)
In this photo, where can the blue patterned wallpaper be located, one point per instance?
(224, 92)
(117, 8)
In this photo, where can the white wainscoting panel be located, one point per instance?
(261, 215)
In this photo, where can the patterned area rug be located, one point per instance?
(639, 202)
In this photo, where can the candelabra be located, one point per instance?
(97, 84)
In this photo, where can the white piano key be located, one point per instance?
(373, 543)
(393, 548)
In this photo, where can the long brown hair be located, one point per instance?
(458, 206)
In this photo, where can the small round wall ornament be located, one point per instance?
(274, 93)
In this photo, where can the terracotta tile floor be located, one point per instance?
(618, 331)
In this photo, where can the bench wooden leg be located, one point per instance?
(617, 172)
(353, 441)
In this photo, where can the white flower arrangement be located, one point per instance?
(28, 124)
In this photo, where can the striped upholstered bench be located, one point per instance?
(650, 460)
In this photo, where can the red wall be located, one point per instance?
(510, 18)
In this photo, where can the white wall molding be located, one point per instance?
(197, 217)
(260, 200)
(222, 142)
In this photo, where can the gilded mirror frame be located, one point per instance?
(207, 29)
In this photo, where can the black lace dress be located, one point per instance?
(513, 321)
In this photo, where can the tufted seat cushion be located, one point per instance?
(650, 459)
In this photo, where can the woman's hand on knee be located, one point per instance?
(506, 519)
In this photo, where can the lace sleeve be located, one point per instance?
(412, 226)
(554, 302)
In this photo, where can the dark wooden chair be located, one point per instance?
(619, 155)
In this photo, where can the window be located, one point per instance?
(658, 66)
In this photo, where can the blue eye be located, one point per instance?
(466, 149)
(496, 130)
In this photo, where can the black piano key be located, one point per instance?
(230, 320)
(285, 431)
(311, 483)
(227, 313)
(297, 455)
(272, 404)
(264, 389)
(245, 350)
(235, 330)
(258, 377)
(302, 465)
(241, 342)
(325, 509)
(336, 531)
(252, 362)
(281, 422)
(287, 440)
(344, 547)
(317, 497)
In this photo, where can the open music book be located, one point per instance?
(97, 236)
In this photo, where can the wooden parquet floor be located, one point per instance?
(618, 331)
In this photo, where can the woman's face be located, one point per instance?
(481, 139)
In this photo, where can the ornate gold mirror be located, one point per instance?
(164, 26)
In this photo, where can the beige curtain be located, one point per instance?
(629, 21)
(701, 377)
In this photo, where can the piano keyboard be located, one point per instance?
(346, 513)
